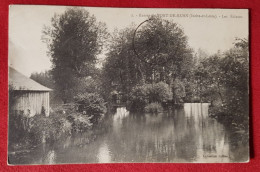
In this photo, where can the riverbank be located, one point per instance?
(185, 134)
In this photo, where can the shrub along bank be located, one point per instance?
(25, 131)
(149, 97)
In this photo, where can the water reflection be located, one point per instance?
(104, 154)
(50, 157)
(179, 135)
(212, 144)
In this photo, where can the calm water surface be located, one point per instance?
(183, 135)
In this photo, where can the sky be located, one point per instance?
(208, 29)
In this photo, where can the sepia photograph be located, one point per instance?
(127, 85)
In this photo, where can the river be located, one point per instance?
(187, 134)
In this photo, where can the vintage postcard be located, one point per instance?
(111, 85)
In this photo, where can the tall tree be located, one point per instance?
(163, 47)
(74, 40)
(156, 50)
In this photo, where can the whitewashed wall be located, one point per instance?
(32, 102)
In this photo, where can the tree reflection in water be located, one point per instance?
(180, 135)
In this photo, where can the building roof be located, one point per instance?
(21, 82)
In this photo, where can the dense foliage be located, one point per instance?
(79, 122)
(155, 52)
(39, 128)
(91, 104)
(49, 128)
(141, 95)
(223, 80)
(74, 40)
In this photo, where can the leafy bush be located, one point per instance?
(24, 130)
(50, 128)
(19, 127)
(159, 92)
(92, 104)
(141, 95)
(153, 108)
(39, 128)
(79, 122)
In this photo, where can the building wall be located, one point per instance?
(31, 103)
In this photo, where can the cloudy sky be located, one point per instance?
(215, 30)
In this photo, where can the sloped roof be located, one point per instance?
(21, 82)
